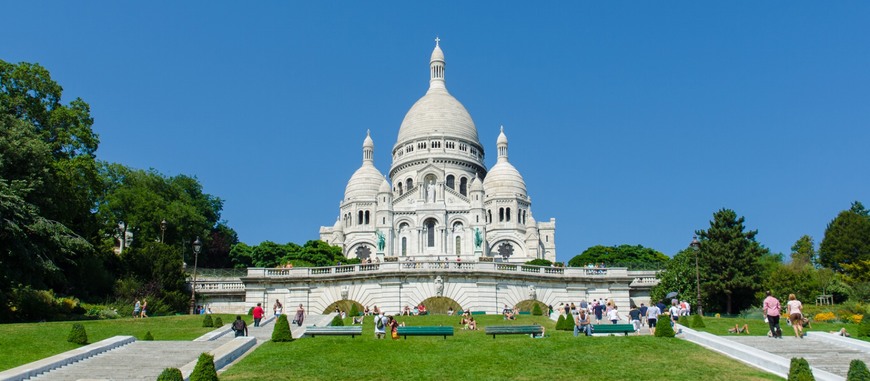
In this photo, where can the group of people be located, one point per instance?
(382, 323)
(794, 313)
(467, 321)
(140, 310)
(419, 309)
(606, 310)
(509, 313)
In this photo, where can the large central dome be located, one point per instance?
(437, 113)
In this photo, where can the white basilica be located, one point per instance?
(439, 200)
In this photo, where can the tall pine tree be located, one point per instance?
(729, 261)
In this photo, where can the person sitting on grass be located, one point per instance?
(470, 324)
(449, 311)
(539, 336)
(738, 330)
(842, 332)
(357, 320)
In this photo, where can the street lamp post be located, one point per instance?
(197, 246)
(696, 246)
(122, 236)
(162, 230)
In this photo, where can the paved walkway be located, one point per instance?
(145, 360)
(829, 356)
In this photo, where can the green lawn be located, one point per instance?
(471, 355)
(27, 342)
(757, 327)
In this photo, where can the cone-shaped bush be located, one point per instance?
(281, 332)
(204, 370)
(863, 328)
(698, 321)
(78, 335)
(336, 321)
(353, 310)
(560, 324)
(206, 321)
(858, 371)
(663, 327)
(170, 374)
(800, 370)
(536, 310)
(218, 322)
(148, 337)
(684, 321)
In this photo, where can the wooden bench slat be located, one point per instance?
(351, 331)
(513, 330)
(613, 328)
(425, 331)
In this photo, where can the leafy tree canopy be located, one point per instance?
(730, 261)
(271, 254)
(803, 252)
(622, 255)
(847, 239)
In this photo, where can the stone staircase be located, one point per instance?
(822, 354)
(145, 360)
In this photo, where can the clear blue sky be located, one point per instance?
(632, 122)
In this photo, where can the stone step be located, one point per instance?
(141, 360)
(824, 355)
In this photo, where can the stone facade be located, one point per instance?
(439, 201)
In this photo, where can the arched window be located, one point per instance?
(507, 214)
(477, 219)
(451, 182)
(458, 245)
(367, 217)
(430, 232)
(409, 183)
(399, 187)
(359, 220)
(489, 216)
(463, 186)
(500, 214)
(404, 246)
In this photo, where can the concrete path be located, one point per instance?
(145, 360)
(830, 356)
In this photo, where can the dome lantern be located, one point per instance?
(436, 67)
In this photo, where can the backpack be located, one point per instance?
(238, 325)
(380, 324)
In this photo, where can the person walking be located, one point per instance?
(771, 309)
(240, 327)
(652, 315)
(277, 308)
(136, 309)
(144, 313)
(300, 315)
(258, 314)
(796, 315)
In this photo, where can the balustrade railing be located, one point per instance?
(408, 266)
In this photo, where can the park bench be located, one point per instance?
(425, 331)
(514, 330)
(351, 331)
(478, 312)
(613, 328)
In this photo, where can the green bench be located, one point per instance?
(425, 331)
(478, 312)
(525, 312)
(514, 330)
(351, 330)
(613, 328)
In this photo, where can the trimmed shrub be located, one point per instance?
(536, 310)
(663, 327)
(560, 324)
(204, 370)
(78, 335)
(148, 337)
(170, 374)
(800, 370)
(281, 332)
(337, 322)
(858, 371)
(698, 321)
(863, 328)
(207, 321)
(218, 322)
(353, 310)
(684, 321)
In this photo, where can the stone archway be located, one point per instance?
(344, 305)
(439, 304)
(528, 305)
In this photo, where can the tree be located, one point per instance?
(729, 257)
(622, 255)
(678, 276)
(803, 252)
(847, 239)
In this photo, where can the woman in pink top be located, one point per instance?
(796, 316)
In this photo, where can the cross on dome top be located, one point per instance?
(437, 40)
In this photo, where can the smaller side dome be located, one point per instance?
(476, 184)
(503, 180)
(367, 180)
(385, 187)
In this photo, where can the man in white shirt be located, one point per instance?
(380, 326)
